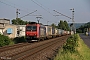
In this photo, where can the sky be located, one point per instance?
(45, 9)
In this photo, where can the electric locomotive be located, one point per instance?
(35, 32)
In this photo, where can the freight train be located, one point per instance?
(36, 32)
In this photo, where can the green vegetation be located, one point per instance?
(79, 51)
(77, 25)
(18, 21)
(19, 39)
(83, 28)
(62, 25)
(4, 40)
(54, 25)
(71, 44)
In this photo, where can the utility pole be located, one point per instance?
(18, 32)
(17, 13)
(73, 20)
(72, 14)
(38, 19)
(47, 22)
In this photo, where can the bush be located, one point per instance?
(19, 39)
(4, 40)
(71, 44)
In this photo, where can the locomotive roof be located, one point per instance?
(33, 23)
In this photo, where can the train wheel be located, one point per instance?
(42, 39)
(39, 39)
(29, 41)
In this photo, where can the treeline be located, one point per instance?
(61, 25)
(18, 21)
(83, 28)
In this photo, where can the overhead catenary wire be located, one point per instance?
(17, 6)
(41, 7)
(41, 4)
(62, 14)
(7, 4)
(18, 9)
(46, 7)
(28, 14)
(12, 6)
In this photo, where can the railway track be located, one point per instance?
(38, 49)
(33, 50)
(13, 46)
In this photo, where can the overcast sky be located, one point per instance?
(45, 8)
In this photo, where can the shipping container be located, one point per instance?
(68, 32)
(89, 33)
(53, 32)
(42, 31)
(72, 32)
(56, 32)
(48, 31)
(60, 32)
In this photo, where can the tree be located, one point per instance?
(18, 21)
(66, 25)
(83, 28)
(63, 25)
(53, 25)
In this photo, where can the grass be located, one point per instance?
(82, 52)
(11, 43)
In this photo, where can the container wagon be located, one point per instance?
(60, 32)
(48, 31)
(53, 32)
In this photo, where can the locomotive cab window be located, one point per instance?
(31, 28)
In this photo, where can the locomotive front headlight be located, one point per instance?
(27, 34)
(34, 34)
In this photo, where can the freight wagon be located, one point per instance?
(60, 32)
(48, 31)
(53, 32)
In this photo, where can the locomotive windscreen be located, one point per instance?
(31, 28)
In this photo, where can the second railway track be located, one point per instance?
(13, 46)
